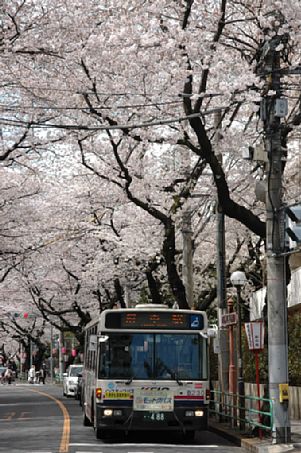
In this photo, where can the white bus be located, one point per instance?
(146, 369)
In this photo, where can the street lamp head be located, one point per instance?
(238, 278)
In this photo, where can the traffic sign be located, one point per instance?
(229, 319)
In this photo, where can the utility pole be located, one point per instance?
(187, 256)
(273, 107)
(61, 358)
(30, 352)
(220, 232)
(220, 276)
(186, 230)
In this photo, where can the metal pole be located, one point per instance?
(61, 359)
(51, 353)
(258, 389)
(241, 384)
(21, 360)
(30, 352)
(232, 368)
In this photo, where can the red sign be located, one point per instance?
(229, 319)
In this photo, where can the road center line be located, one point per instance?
(64, 445)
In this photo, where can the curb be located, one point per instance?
(226, 433)
(259, 446)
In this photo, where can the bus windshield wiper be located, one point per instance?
(176, 378)
(129, 381)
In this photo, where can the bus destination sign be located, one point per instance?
(154, 320)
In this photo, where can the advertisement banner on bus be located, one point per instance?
(153, 400)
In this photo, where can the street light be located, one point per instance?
(239, 279)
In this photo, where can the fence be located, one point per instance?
(258, 414)
(294, 404)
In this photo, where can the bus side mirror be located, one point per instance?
(103, 338)
(212, 332)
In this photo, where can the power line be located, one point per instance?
(45, 107)
(6, 107)
(108, 94)
(36, 125)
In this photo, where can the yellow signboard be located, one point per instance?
(283, 392)
(115, 394)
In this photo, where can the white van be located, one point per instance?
(70, 379)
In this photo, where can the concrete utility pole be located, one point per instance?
(187, 256)
(273, 107)
(220, 231)
(61, 358)
(220, 275)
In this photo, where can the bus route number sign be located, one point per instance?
(154, 320)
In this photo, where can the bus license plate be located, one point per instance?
(154, 416)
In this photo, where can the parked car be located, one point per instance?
(70, 379)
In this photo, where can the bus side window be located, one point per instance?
(104, 360)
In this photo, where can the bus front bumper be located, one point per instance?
(125, 419)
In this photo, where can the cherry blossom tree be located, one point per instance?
(131, 89)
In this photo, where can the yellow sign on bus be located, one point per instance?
(115, 394)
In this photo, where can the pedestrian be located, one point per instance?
(31, 374)
(42, 376)
(2, 379)
(8, 375)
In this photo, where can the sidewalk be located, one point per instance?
(254, 444)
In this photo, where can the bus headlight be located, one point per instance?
(197, 413)
(112, 412)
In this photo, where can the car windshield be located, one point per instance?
(74, 371)
(160, 356)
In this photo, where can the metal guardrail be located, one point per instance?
(257, 411)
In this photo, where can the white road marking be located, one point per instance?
(28, 403)
(137, 445)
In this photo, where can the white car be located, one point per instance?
(70, 379)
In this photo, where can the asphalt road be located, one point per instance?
(38, 419)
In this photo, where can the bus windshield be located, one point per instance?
(161, 356)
